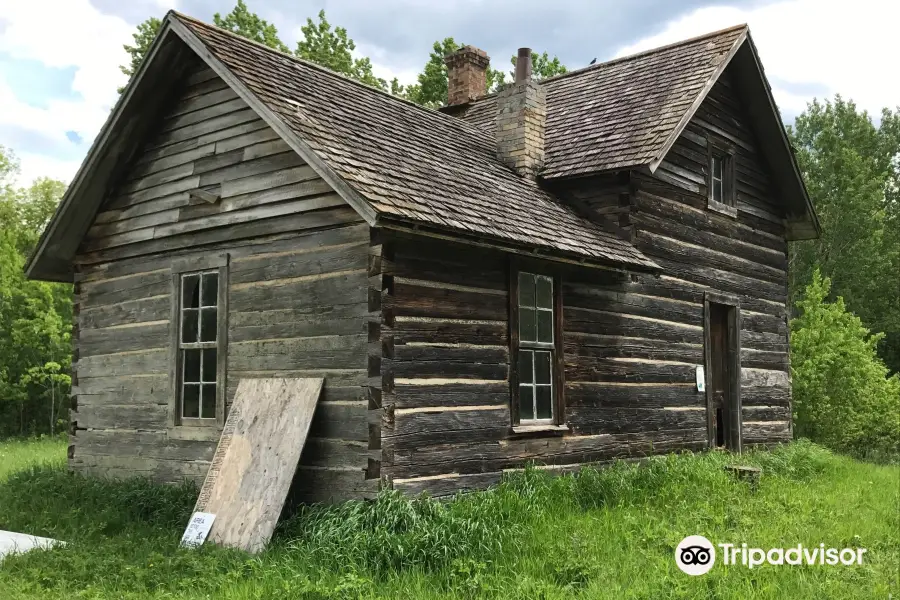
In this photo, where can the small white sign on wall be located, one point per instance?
(701, 380)
(197, 529)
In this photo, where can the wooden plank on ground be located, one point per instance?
(257, 456)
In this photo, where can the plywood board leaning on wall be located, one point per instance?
(256, 459)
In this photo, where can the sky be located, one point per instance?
(59, 59)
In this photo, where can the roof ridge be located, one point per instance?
(308, 63)
(646, 52)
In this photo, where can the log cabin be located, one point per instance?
(569, 271)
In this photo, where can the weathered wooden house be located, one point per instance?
(533, 275)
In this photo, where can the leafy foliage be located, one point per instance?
(431, 87)
(842, 395)
(143, 37)
(852, 171)
(332, 48)
(35, 317)
(248, 24)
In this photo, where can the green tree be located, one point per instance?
(843, 397)
(247, 24)
(143, 37)
(430, 88)
(35, 317)
(852, 172)
(333, 48)
(542, 66)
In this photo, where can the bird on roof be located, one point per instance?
(593, 61)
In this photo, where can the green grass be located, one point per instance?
(603, 534)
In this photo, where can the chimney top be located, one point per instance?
(466, 75)
(523, 65)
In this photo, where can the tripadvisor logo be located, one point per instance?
(696, 555)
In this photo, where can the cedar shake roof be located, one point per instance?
(411, 164)
(621, 113)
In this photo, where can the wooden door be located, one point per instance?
(722, 329)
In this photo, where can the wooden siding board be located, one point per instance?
(296, 302)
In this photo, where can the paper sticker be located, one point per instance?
(197, 529)
(701, 380)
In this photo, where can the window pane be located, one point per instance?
(545, 292)
(526, 403)
(190, 291)
(209, 364)
(189, 326)
(208, 325)
(527, 327)
(544, 402)
(210, 289)
(545, 326)
(717, 167)
(717, 190)
(526, 289)
(208, 406)
(526, 374)
(190, 401)
(542, 367)
(191, 366)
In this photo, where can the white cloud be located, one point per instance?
(845, 47)
(63, 33)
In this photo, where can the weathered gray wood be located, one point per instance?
(255, 462)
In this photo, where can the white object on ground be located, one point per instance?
(11, 543)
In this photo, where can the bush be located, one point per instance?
(843, 397)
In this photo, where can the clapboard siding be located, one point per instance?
(297, 295)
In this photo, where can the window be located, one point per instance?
(721, 180)
(198, 345)
(536, 389)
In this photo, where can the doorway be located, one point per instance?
(722, 355)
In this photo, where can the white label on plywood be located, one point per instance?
(197, 530)
(254, 464)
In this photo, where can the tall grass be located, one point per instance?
(602, 533)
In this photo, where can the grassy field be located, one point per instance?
(603, 534)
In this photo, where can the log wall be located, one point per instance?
(297, 300)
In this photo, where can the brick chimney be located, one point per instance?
(467, 75)
(521, 120)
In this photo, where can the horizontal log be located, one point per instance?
(342, 288)
(116, 416)
(306, 321)
(143, 362)
(141, 309)
(578, 320)
(412, 300)
(618, 395)
(766, 395)
(141, 444)
(312, 485)
(159, 470)
(766, 432)
(620, 301)
(447, 484)
(487, 457)
(476, 393)
(449, 331)
(299, 264)
(762, 359)
(123, 338)
(336, 453)
(332, 352)
(586, 368)
(589, 420)
(766, 413)
(613, 346)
